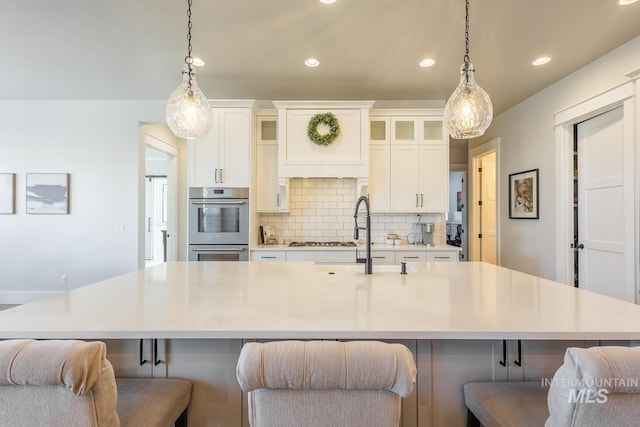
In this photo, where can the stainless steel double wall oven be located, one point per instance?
(218, 224)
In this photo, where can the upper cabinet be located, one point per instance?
(408, 161)
(271, 196)
(222, 158)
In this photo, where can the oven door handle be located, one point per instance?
(218, 202)
(202, 249)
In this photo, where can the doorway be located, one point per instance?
(603, 207)
(456, 216)
(483, 238)
(160, 189)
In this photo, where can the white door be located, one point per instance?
(602, 239)
(487, 210)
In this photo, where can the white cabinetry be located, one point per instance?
(409, 162)
(271, 196)
(222, 158)
(323, 257)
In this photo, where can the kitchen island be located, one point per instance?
(459, 319)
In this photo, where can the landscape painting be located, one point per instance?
(47, 193)
(7, 193)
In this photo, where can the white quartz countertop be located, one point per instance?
(374, 247)
(435, 300)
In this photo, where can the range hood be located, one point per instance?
(346, 157)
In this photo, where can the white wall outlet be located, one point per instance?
(120, 226)
(64, 281)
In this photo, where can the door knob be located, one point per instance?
(580, 246)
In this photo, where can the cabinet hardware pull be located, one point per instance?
(503, 362)
(142, 361)
(378, 257)
(155, 353)
(216, 175)
(217, 202)
(149, 225)
(519, 361)
(441, 257)
(216, 249)
(267, 257)
(421, 199)
(416, 200)
(409, 257)
(278, 199)
(221, 176)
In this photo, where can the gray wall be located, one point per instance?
(528, 142)
(96, 142)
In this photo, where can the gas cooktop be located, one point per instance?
(321, 244)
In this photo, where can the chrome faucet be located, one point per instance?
(368, 262)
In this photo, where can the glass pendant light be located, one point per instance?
(188, 112)
(468, 111)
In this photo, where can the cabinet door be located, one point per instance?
(538, 359)
(434, 177)
(216, 397)
(379, 188)
(269, 256)
(410, 256)
(379, 257)
(235, 147)
(204, 156)
(443, 256)
(404, 130)
(268, 197)
(405, 178)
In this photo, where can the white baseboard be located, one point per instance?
(23, 297)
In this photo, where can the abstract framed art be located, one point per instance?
(523, 195)
(47, 193)
(7, 193)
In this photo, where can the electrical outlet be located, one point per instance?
(119, 226)
(64, 280)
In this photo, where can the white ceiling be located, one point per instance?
(368, 49)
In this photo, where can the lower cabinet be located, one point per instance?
(444, 366)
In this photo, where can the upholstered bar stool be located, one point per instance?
(325, 383)
(71, 383)
(594, 387)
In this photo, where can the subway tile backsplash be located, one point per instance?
(321, 209)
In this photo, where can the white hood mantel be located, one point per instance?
(346, 157)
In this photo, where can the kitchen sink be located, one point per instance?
(359, 268)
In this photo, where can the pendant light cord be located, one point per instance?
(189, 59)
(466, 36)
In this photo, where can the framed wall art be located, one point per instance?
(7, 193)
(523, 195)
(47, 193)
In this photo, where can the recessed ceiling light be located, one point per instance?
(626, 2)
(198, 62)
(327, 1)
(427, 62)
(312, 62)
(541, 61)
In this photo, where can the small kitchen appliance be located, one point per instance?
(425, 233)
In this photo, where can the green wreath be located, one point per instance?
(327, 119)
